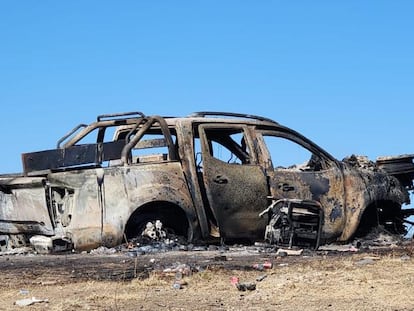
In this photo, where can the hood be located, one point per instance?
(401, 167)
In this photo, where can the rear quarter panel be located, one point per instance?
(124, 189)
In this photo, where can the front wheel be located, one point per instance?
(173, 219)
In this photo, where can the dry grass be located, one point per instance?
(384, 283)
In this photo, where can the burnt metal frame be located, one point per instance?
(72, 156)
(231, 114)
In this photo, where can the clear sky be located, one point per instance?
(340, 72)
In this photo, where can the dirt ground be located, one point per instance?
(378, 279)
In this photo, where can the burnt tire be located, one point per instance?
(173, 219)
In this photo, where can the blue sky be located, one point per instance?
(340, 72)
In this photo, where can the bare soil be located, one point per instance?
(379, 279)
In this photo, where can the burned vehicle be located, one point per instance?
(209, 176)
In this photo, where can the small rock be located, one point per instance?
(261, 278)
(23, 292)
(246, 286)
(281, 253)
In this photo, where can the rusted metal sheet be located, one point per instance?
(24, 207)
(71, 157)
(401, 167)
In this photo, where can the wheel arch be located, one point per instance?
(384, 213)
(367, 194)
(181, 219)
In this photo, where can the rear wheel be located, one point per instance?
(173, 219)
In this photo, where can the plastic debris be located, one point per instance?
(179, 282)
(289, 252)
(234, 280)
(262, 266)
(179, 269)
(176, 285)
(29, 301)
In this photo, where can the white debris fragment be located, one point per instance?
(29, 301)
(338, 248)
(102, 250)
(42, 244)
(289, 252)
(154, 231)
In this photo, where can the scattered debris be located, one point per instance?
(179, 283)
(156, 240)
(261, 278)
(18, 251)
(338, 248)
(405, 258)
(281, 253)
(41, 244)
(289, 252)
(29, 301)
(380, 237)
(246, 286)
(262, 266)
(102, 250)
(234, 280)
(179, 269)
(176, 285)
(154, 231)
(220, 258)
(369, 260)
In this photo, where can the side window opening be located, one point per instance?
(152, 147)
(98, 135)
(289, 155)
(228, 145)
(98, 142)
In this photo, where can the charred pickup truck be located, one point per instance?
(209, 176)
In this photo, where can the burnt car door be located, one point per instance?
(235, 185)
(299, 170)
